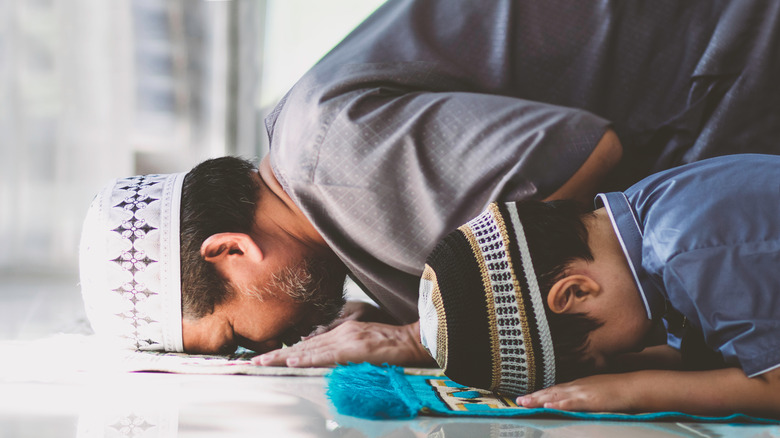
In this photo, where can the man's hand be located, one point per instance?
(713, 393)
(355, 341)
(354, 311)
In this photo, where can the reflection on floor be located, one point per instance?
(169, 405)
(44, 394)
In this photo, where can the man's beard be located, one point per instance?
(315, 283)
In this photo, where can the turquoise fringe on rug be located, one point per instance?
(386, 392)
(368, 391)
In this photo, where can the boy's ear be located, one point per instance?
(225, 249)
(569, 293)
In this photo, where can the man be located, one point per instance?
(529, 295)
(430, 110)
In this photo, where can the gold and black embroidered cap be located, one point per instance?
(481, 311)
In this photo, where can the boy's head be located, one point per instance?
(521, 298)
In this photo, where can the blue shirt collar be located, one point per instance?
(629, 234)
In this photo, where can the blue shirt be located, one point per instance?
(704, 238)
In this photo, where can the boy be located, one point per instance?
(567, 295)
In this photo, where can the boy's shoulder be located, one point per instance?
(715, 202)
(711, 242)
(741, 175)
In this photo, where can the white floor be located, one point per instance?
(40, 399)
(170, 405)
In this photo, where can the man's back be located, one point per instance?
(428, 112)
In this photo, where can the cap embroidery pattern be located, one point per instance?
(482, 316)
(135, 260)
(514, 370)
(129, 262)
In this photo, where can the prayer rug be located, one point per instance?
(388, 392)
(237, 363)
(76, 354)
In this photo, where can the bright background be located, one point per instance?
(92, 90)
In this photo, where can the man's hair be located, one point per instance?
(218, 196)
(557, 236)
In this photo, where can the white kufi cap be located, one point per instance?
(129, 262)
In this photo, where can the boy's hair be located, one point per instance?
(557, 236)
(483, 307)
(218, 196)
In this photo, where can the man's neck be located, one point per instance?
(277, 214)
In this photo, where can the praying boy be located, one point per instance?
(531, 295)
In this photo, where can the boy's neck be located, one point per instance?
(609, 264)
(602, 238)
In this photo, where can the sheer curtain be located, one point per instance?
(93, 89)
(96, 89)
(64, 99)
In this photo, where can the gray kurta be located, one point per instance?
(432, 109)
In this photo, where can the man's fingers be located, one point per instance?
(321, 329)
(312, 358)
(353, 341)
(308, 346)
(274, 358)
(277, 358)
(305, 354)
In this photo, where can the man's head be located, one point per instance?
(218, 195)
(512, 301)
(253, 270)
(249, 278)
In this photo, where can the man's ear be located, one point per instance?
(569, 293)
(224, 249)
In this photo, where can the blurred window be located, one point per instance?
(95, 89)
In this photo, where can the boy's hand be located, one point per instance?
(712, 393)
(600, 393)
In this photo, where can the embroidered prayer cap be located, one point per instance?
(129, 262)
(481, 312)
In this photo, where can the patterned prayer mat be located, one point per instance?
(181, 363)
(76, 354)
(387, 392)
(236, 363)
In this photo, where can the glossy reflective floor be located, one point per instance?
(42, 396)
(169, 405)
